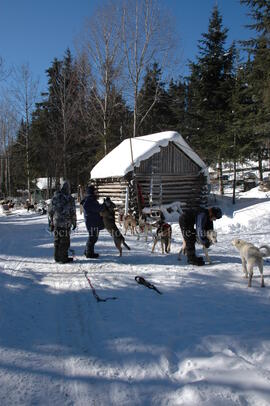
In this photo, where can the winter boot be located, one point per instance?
(66, 260)
(93, 255)
(89, 250)
(192, 259)
(199, 261)
(56, 256)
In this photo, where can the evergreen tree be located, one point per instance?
(153, 103)
(52, 105)
(177, 107)
(44, 151)
(120, 123)
(242, 140)
(56, 126)
(18, 162)
(194, 115)
(209, 94)
(259, 78)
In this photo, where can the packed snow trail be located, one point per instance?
(204, 341)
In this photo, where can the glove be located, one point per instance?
(74, 226)
(207, 244)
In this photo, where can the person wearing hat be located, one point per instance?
(93, 220)
(194, 225)
(62, 216)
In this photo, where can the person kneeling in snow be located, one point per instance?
(62, 215)
(203, 219)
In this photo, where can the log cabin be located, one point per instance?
(152, 170)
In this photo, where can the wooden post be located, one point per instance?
(134, 179)
(126, 201)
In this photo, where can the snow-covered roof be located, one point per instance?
(119, 161)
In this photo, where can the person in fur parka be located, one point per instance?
(62, 216)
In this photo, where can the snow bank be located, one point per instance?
(256, 193)
(247, 219)
(251, 212)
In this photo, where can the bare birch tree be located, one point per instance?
(4, 71)
(64, 100)
(24, 92)
(8, 129)
(147, 37)
(101, 59)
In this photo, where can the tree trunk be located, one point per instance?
(260, 167)
(64, 148)
(28, 167)
(105, 135)
(234, 167)
(6, 176)
(220, 176)
(234, 180)
(1, 175)
(9, 179)
(135, 115)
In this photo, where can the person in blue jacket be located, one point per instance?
(194, 225)
(93, 220)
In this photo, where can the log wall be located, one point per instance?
(113, 188)
(191, 191)
(170, 160)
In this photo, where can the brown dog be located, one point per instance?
(108, 216)
(130, 223)
(164, 234)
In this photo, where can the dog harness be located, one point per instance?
(98, 299)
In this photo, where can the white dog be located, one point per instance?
(251, 256)
(212, 237)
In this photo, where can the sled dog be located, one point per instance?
(251, 256)
(130, 223)
(120, 217)
(212, 237)
(146, 225)
(108, 216)
(164, 235)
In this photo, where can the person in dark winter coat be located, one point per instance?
(62, 216)
(93, 220)
(203, 220)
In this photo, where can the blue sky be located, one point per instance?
(36, 31)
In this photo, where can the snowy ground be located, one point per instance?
(204, 341)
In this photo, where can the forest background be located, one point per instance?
(122, 81)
